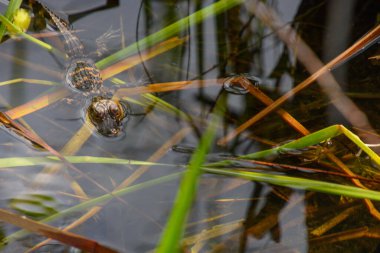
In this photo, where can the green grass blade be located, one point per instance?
(171, 30)
(172, 234)
(303, 142)
(12, 7)
(306, 141)
(355, 139)
(11, 162)
(301, 183)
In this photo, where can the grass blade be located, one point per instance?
(170, 240)
(301, 183)
(12, 162)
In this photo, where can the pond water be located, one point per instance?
(164, 128)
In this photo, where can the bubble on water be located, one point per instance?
(237, 84)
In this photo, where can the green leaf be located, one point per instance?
(301, 183)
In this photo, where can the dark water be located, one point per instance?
(256, 217)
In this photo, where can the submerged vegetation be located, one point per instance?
(251, 136)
